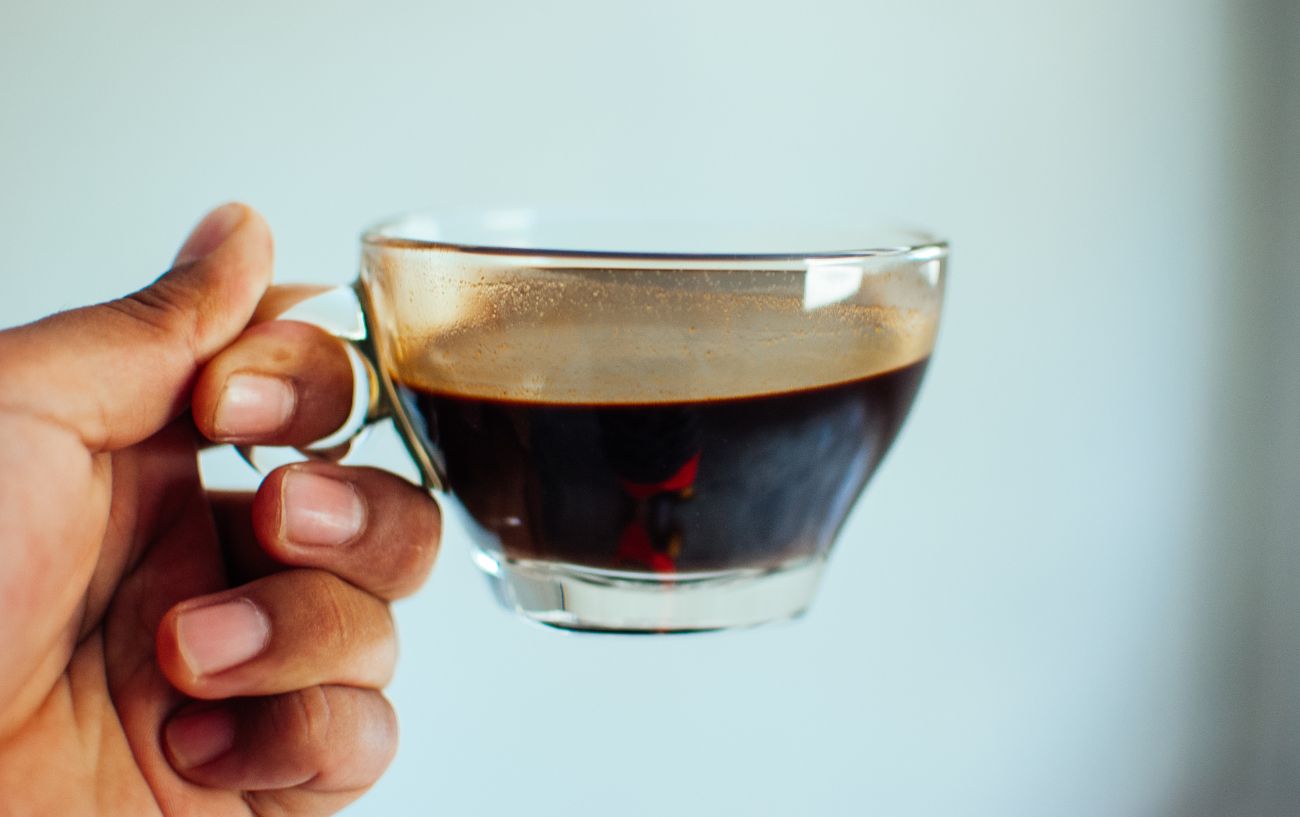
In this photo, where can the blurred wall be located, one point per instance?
(1269, 338)
(1071, 588)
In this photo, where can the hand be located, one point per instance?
(168, 651)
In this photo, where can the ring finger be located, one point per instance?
(280, 633)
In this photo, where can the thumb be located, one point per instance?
(117, 373)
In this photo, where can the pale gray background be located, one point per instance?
(1071, 589)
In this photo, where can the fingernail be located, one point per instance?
(319, 511)
(252, 404)
(215, 638)
(211, 232)
(200, 737)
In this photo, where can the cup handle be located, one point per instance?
(339, 312)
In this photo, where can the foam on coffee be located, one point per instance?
(639, 336)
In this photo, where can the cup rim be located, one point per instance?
(918, 244)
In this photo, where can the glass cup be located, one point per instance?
(647, 426)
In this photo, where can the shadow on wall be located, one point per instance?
(1251, 611)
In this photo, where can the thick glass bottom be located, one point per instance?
(574, 597)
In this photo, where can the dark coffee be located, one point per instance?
(748, 482)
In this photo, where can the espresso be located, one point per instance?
(651, 420)
(689, 486)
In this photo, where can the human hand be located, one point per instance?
(168, 651)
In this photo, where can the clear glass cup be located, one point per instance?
(648, 425)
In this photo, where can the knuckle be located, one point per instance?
(304, 720)
(265, 803)
(412, 561)
(161, 305)
(382, 737)
(341, 736)
(314, 719)
(401, 557)
(352, 630)
(371, 732)
(334, 606)
(166, 307)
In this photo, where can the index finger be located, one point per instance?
(281, 383)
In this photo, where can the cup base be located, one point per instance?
(573, 597)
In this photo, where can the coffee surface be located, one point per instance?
(625, 337)
(750, 482)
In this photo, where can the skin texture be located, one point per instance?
(166, 651)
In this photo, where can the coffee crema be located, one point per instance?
(629, 337)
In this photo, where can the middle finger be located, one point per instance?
(280, 383)
(368, 526)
